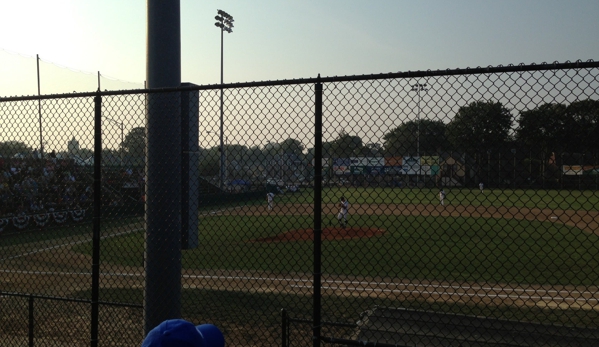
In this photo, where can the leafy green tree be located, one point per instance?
(209, 161)
(135, 142)
(585, 114)
(372, 150)
(255, 155)
(292, 146)
(481, 125)
(545, 127)
(235, 152)
(270, 150)
(345, 146)
(10, 148)
(403, 140)
(326, 152)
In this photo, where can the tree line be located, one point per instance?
(484, 126)
(480, 126)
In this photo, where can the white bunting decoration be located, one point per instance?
(78, 215)
(20, 222)
(60, 217)
(41, 219)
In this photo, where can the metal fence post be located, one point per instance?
(317, 211)
(97, 219)
(284, 328)
(31, 321)
(190, 159)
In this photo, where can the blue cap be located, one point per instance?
(181, 333)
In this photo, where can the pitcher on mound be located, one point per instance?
(342, 216)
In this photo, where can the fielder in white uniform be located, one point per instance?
(270, 197)
(442, 197)
(481, 186)
(342, 216)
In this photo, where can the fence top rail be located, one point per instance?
(579, 64)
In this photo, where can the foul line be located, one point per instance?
(68, 244)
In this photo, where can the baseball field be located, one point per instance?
(524, 254)
(523, 237)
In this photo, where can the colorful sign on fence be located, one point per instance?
(576, 170)
(341, 166)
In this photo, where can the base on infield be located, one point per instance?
(331, 233)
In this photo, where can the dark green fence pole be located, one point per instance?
(317, 211)
(97, 219)
(31, 321)
(284, 328)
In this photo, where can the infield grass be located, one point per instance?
(413, 247)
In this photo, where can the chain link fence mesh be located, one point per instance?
(470, 216)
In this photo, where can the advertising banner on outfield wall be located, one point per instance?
(411, 165)
(590, 170)
(393, 170)
(576, 170)
(341, 166)
(394, 161)
(429, 170)
(358, 161)
(326, 162)
(377, 170)
(360, 170)
(376, 161)
(572, 170)
(429, 160)
(367, 161)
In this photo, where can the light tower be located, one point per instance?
(225, 22)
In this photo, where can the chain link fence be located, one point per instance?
(445, 208)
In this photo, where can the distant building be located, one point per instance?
(73, 146)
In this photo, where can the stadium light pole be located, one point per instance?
(225, 22)
(418, 87)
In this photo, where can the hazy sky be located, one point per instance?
(276, 39)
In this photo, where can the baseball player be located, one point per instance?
(442, 197)
(481, 186)
(270, 197)
(342, 216)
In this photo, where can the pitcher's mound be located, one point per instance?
(335, 233)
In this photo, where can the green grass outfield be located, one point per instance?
(585, 200)
(414, 247)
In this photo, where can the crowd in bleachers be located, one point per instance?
(29, 186)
